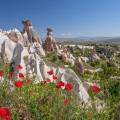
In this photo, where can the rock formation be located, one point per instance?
(32, 34)
(67, 56)
(50, 45)
(12, 46)
(31, 37)
(94, 57)
(79, 65)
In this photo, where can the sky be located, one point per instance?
(68, 18)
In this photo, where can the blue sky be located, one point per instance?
(68, 18)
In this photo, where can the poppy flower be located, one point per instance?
(60, 84)
(18, 83)
(28, 80)
(21, 75)
(19, 67)
(50, 72)
(1, 73)
(66, 102)
(4, 113)
(95, 88)
(69, 86)
(55, 77)
(10, 74)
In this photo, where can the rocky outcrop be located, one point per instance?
(32, 34)
(67, 56)
(16, 53)
(31, 37)
(40, 69)
(50, 44)
(79, 65)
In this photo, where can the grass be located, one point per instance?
(46, 102)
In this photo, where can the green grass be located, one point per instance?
(43, 102)
(46, 102)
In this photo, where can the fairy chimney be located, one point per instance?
(50, 45)
(31, 32)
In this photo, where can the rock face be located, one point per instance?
(7, 45)
(50, 45)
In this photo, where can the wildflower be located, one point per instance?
(10, 74)
(1, 73)
(28, 80)
(95, 88)
(50, 72)
(18, 83)
(54, 77)
(66, 102)
(21, 75)
(69, 86)
(19, 67)
(60, 84)
(43, 82)
(4, 113)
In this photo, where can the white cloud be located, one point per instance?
(66, 34)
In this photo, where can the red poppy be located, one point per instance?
(10, 74)
(55, 77)
(4, 113)
(66, 102)
(28, 80)
(19, 67)
(18, 83)
(60, 84)
(1, 73)
(95, 88)
(21, 75)
(50, 72)
(69, 86)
